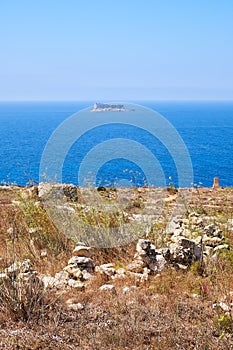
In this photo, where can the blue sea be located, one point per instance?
(205, 127)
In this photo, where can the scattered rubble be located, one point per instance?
(188, 241)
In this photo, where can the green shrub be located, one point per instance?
(225, 323)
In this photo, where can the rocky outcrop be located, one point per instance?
(207, 238)
(180, 255)
(50, 190)
(188, 240)
(146, 258)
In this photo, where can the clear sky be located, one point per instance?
(116, 49)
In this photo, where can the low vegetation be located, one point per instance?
(173, 309)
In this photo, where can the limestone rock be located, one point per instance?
(18, 267)
(76, 284)
(73, 271)
(212, 241)
(51, 190)
(161, 262)
(26, 275)
(142, 246)
(108, 288)
(221, 246)
(177, 232)
(48, 281)
(208, 250)
(82, 251)
(140, 277)
(194, 214)
(173, 225)
(44, 188)
(209, 229)
(61, 279)
(184, 252)
(165, 252)
(75, 307)
(106, 269)
(224, 306)
(86, 275)
(146, 257)
(82, 262)
(120, 274)
(128, 290)
(136, 266)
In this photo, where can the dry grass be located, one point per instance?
(172, 310)
(145, 319)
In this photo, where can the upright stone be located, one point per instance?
(216, 182)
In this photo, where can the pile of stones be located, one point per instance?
(197, 229)
(188, 240)
(80, 268)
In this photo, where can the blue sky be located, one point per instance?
(121, 50)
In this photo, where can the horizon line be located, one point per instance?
(120, 100)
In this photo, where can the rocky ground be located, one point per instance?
(167, 284)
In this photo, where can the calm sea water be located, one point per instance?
(205, 127)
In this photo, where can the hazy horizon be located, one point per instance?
(87, 51)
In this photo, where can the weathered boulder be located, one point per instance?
(143, 247)
(49, 190)
(146, 257)
(73, 271)
(82, 262)
(184, 252)
(181, 254)
(86, 275)
(70, 191)
(82, 251)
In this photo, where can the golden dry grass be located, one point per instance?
(172, 310)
